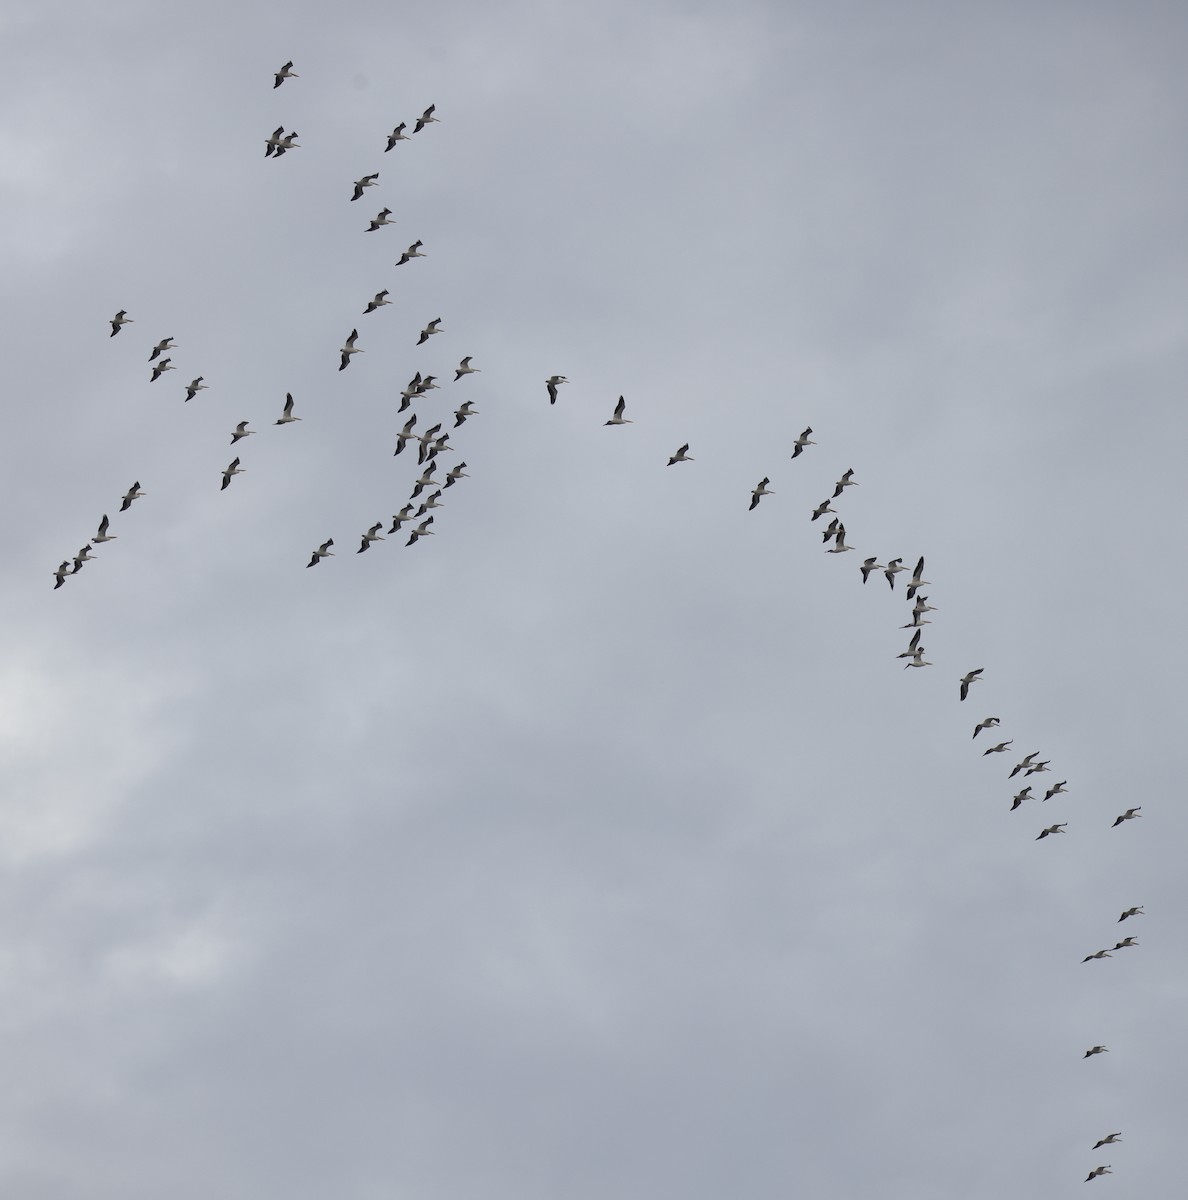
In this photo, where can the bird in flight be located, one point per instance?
(893, 569)
(397, 135)
(1098, 954)
(414, 251)
(970, 677)
(997, 749)
(232, 468)
(429, 331)
(366, 182)
(380, 218)
(286, 72)
(119, 321)
(986, 723)
(348, 349)
(1019, 797)
(618, 418)
(288, 417)
(194, 387)
(844, 482)
(1096, 1050)
(1098, 1171)
(426, 118)
(802, 441)
(758, 492)
(162, 366)
(133, 493)
(1052, 829)
(323, 551)
(1136, 911)
(372, 535)
(461, 413)
(377, 302)
(868, 565)
(1130, 814)
(103, 535)
(164, 344)
(241, 431)
(682, 455)
(61, 573)
(464, 368)
(1108, 1140)
(553, 383)
(1057, 789)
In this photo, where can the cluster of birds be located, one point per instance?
(417, 515)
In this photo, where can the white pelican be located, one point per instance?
(406, 434)
(466, 410)
(366, 182)
(426, 118)
(1126, 943)
(464, 368)
(839, 542)
(83, 556)
(1108, 1140)
(426, 480)
(1039, 768)
(119, 321)
(413, 390)
(349, 349)
(381, 218)
(922, 605)
(872, 564)
(1019, 797)
(802, 441)
(288, 418)
(437, 446)
(425, 439)
(434, 501)
(194, 387)
(893, 569)
(103, 535)
(288, 142)
(397, 135)
(133, 493)
(164, 344)
(372, 535)
(323, 551)
(1098, 1171)
(241, 431)
(1056, 789)
(552, 384)
(844, 482)
(454, 474)
(1096, 1050)
(832, 528)
(914, 649)
(918, 581)
(918, 661)
(61, 573)
(420, 531)
(231, 469)
(398, 519)
(916, 622)
(618, 418)
(286, 72)
(823, 508)
(429, 331)
(1136, 911)
(998, 749)
(757, 493)
(273, 143)
(986, 723)
(1129, 815)
(1020, 766)
(682, 455)
(427, 384)
(970, 677)
(164, 365)
(378, 302)
(1052, 829)
(1097, 954)
(414, 251)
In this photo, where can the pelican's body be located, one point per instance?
(844, 482)
(1098, 1171)
(758, 491)
(398, 519)
(917, 581)
(287, 418)
(454, 474)
(1130, 814)
(406, 434)
(420, 531)
(348, 349)
(162, 366)
(288, 142)
(286, 72)
(133, 493)
(1136, 911)
(1108, 1140)
(429, 331)
(381, 218)
(872, 564)
(195, 386)
(1097, 954)
(802, 441)
(323, 551)
(434, 501)
(164, 344)
(103, 535)
(83, 556)
(682, 455)
(464, 411)
(1126, 943)
(1096, 1050)
(986, 723)
(397, 135)
(231, 469)
(618, 418)
(893, 569)
(119, 321)
(366, 182)
(379, 300)
(1052, 829)
(61, 573)
(414, 251)
(1057, 789)
(1024, 764)
(241, 431)
(1019, 797)
(464, 368)
(372, 535)
(552, 384)
(426, 118)
(999, 749)
(272, 143)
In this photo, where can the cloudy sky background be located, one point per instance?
(598, 845)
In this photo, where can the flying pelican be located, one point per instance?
(918, 661)
(366, 182)
(103, 535)
(413, 390)
(378, 302)
(288, 142)
(1039, 767)
(286, 72)
(1021, 766)
(398, 519)
(757, 493)
(1126, 943)
(552, 383)
(273, 143)
(164, 365)
(1096, 1050)
(228, 471)
(241, 431)
(1098, 954)
(420, 531)
(414, 251)
(195, 386)
(839, 542)
(323, 551)
(618, 418)
(434, 501)
(1108, 1140)
(83, 556)
(918, 581)
(682, 455)
(1137, 911)
(1098, 1171)
(439, 444)
(802, 441)
(844, 482)
(823, 508)
(997, 749)
(986, 723)
(372, 535)
(426, 480)
(349, 349)
(61, 573)
(464, 368)
(1056, 789)
(119, 321)
(425, 439)
(454, 474)
(1052, 829)
(429, 331)
(970, 677)
(288, 418)
(893, 569)
(426, 118)
(1019, 797)
(466, 410)
(832, 528)
(133, 493)
(406, 434)
(871, 564)
(164, 344)
(922, 605)
(397, 135)
(1129, 815)
(427, 384)
(381, 218)
(917, 622)
(914, 649)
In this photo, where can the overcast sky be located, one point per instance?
(598, 846)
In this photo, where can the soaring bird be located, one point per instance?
(434, 501)
(348, 349)
(420, 531)
(618, 418)
(1098, 1171)
(917, 581)
(1136, 911)
(164, 344)
(986, 723)
(406, 434)
(1022, 766)
(119, 321)
(1097, 954)
(893, 569)
(425, 480)
(997, 749)
(288, 417)
(426, 118)
(1056, 789)
(83, 556)
(228, 471)
(426, 440)
(429, 331)
(464, 368)
(288, 142)
(454, 474)
(241, 431)
(464, 411)
(1019, 797)
(414, 251)
(397, 135)
(381, 218)
(272, 145)
(366, 182)
(914, 649)
(831, 530)
(1126, 943)
(682, 455)
(372, 535)
(553, 383)
(970, 677)
(1130, 814)
(378, 302)
(323, 551)
(162, 366)
(61, 573)
(133, 493)
(757, 492)
(1052, 829)
(869, 565)
(802, 441)
(398, 519)
(1096, 1050)
(1108, 1140)
(823, 508)
(103, 535)
(844, 482)
(839, 542)
(286, 72)
(194, 387)
(918, 661)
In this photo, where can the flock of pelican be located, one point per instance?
(418, 512)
